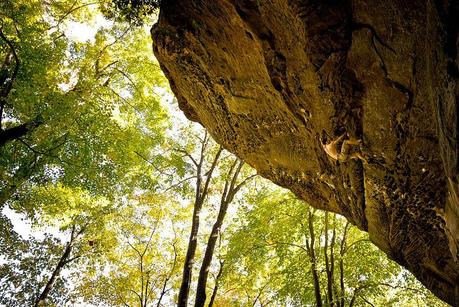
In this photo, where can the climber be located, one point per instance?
(344, 153)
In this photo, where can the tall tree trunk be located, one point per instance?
(51, 281)
(6, 85)
(332, 261)
(6, 81)
(341, 263)
(204, 271)
(312, 255)
(189, 259)
(65, 259)
(168, 277)
(328, 265)
(201, 192)
(228, 194)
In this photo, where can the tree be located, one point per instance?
(81, 111)
(216, 177)
(142, 266)
(65, 259)
(73, 213)
(23, 260)
(230, 189)
(77, 115)
(83, 158)
(132, 11)
(285, 251)
(203, 178)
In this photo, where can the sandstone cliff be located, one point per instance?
(270, 78)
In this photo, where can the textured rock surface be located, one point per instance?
(268, 78)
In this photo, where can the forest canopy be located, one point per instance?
(110, 197)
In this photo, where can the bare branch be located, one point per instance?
(260, 292)
(169, 276)
(149, 162)
(179, 183)
(367, 301)
(126, 102)
(134, 248)
(149, 239)
(187, 154)
(111, 44)
(209, 173)
(71, 10)
(98, 74)
(129, 78)
(72, 259)
(138, 295)
(354, 243)
(45, 153)
(16, 58)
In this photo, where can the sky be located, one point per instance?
(82, 32)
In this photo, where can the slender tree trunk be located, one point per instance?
(204, 272)
(201, 193)
(341, 279)
(141, 297)
(332, 263)
(227, 196)
(217, 280)
(328, 265)
(168, 277)
(65, 259)
(189, 259)
(51, 281)
(341, 263)
(312, 255)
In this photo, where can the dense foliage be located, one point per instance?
(131, 11)
(285, 251)
(110, 197)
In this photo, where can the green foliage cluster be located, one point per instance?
(131, 11)
(79, 121)
(24, 260)
(280, 241)
(143, 261)
(86, 98)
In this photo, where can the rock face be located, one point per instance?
(268, 79)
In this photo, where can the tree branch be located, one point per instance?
(19, 131)
(243, 182)
(209, 174)
(179, 183)
(187, 154)
(16, 59)
(169, 276)
(288, 244)
(71, 10)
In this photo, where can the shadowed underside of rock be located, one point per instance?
(268, 79)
